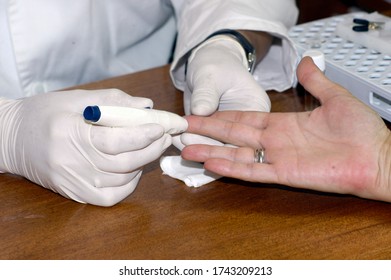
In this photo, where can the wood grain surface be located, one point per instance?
(164, 219)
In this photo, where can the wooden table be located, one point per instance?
(164, 219)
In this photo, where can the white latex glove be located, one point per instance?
(217, 79)
(46, 140)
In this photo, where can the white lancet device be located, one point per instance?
(115, 116)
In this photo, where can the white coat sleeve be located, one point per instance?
(198, 19)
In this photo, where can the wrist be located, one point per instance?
(242, 40)
(261, 41)
(220, 44)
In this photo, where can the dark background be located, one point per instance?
(316, 9)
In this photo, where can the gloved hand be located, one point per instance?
(46, 140)
(217, 79)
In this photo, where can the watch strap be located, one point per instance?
(246, 45)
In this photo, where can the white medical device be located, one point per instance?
(359, 61)
(116, 116)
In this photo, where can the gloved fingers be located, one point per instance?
(117, 140)
(177, 142)
(96, 178)
(204, 100)
(250, 97)
(218, 79)
(130, 161)
(212, 69)
(115, 97)
(103, 196)
(76, 100)
(206, 89)
(185, 139)
(187, 100)
(111, 196)
(191, 139)
(100, 179)
(242, 94)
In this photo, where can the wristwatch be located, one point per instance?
(248, 48)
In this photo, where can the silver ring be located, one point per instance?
(259, 155)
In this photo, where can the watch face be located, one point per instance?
(251, 58)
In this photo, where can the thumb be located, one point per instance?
(204, 99)
(315, 82)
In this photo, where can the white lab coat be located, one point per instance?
(47, 45)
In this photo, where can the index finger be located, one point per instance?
(224, 130)
(250, 118)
